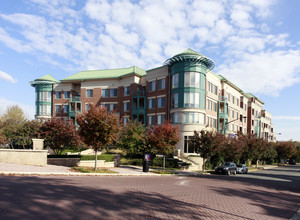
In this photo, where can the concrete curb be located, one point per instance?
(76, 174)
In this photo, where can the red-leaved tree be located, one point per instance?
(163, 139)
(206, 143)
(98, 128)
(59, 134)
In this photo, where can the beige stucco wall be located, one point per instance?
(26, 157)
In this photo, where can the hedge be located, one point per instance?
(106, 157)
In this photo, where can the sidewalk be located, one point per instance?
(8, 169)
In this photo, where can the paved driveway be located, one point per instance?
(272, 194)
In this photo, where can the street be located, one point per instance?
(268, 194)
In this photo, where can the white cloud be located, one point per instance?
(286, 117)
(112, 34)
(264, 72)
(7, 77)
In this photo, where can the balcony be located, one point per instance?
(75, 99)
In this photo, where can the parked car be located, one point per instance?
(292, 162)
(226, 168)
(241, 168)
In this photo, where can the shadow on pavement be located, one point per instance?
(71, 198)
(276, 191)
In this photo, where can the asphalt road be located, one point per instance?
(268, 194)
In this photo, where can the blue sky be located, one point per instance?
(255, 44)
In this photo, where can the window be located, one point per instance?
(233, 99)
(237, 115)
(192, 79)
(175, 100)
(232, 114)
(237, 102)
(67, 94)
(174, 118)
(113, 92)
(193, 118)
(66, 108)
(160, 119)
(151, 119)
(58, 95)
(214, 106)
(161, 84)
(105, 93)
(161, 102)
(87, 107)
(58, 109)
(228, 97)
(127, 91)
(211, 122)
(151, 86)
(113, 107)
(45, 96)
(44, 110)
(187, 148)
(191, 100)
(125, 120)
(215, 90)
(151, 103)
(89, 93)
(126, 106)
(175, 81)
(208, 104)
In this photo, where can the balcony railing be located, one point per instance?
(75, 98)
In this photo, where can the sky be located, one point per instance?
(254, 44)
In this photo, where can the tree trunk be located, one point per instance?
(96, 151)
(256, 164)
(164, 163)
(203, 167)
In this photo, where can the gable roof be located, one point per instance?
(105, 74)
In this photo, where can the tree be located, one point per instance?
(98, 128)
(14, 114)
(254, 147)
(206, 143)
(23, 133)
(232, 149)
(11, 121)
(133, 138)
(286, 150)
(163, 139)
(59, 134)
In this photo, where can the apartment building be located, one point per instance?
(184, 91)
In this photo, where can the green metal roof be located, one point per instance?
(190, 54)
(48, 79)
(250, 95)
(223, 79)
(105, 74)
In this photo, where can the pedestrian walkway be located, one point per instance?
(29, 170)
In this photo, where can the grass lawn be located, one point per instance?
(91, 170)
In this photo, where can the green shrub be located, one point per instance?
(132, 161)
(170, 162)
(106, 157)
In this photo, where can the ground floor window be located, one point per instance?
(187, 147)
